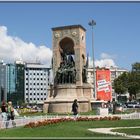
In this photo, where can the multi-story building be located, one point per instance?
(3, 82)
(19, 82)
(11, 80)
(36, 82)
(24, 82)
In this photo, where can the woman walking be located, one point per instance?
(4, 112)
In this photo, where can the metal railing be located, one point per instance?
(21, 121)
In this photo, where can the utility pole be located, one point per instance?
(93, 23)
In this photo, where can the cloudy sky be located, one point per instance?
(14, 48)
(25, 30)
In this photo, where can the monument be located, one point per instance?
(69, 71)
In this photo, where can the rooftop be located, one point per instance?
(68, 27)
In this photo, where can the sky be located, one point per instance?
(25, 30)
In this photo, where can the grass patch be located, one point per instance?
(67, 129)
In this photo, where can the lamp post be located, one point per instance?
(93, 23)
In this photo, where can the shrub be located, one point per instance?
(58, 120)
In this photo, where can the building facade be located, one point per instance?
(18, 98)
(11, 80)
(3, 82)
(36, 83)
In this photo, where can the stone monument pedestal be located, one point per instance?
(60, 98)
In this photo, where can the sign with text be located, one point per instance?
(103, 85)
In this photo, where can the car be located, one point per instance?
(133, 105)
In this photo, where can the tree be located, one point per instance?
(129, 81)
(134, 80)
(136, 67)
(120, 84)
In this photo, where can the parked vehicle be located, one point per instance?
(133, 105)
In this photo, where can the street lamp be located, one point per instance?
(92, 23)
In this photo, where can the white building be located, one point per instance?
(36, 82)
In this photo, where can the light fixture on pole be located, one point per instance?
(93, 23)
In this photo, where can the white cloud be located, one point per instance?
(14, 48)
(105, 60)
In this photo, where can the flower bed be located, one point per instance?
(58, 120)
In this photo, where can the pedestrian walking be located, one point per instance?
(10, 115)
(75, 108)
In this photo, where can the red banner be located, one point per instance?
(103, 85)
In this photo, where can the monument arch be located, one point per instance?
(69, 71)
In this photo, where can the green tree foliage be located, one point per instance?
(136, 67)
(129, 81)
(120, 83)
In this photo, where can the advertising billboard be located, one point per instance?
(103, 84)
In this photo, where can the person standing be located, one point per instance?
(114, 106)
(75, 108)
(10, 115)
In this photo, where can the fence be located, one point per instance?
(21, 121)
(134, 115)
